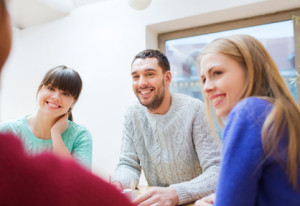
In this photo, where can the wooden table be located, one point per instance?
(142, 189)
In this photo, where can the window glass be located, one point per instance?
(278, 39)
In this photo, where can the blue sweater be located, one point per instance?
(245, 179)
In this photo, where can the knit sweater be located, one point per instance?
(77, 139)
(246, 178)
(48, 180)
(174, 149)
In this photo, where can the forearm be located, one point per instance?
(204, 184)
(128, 170)
(128, 176)
(59, 147)
(209, 154)
(198, 187)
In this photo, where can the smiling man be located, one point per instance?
(167, 136)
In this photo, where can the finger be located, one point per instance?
(202, 203)
(142, 198)
(117, 185)
(150, 201)
(209, 201)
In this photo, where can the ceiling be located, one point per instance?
(28, 13)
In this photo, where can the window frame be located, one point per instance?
(236, 24)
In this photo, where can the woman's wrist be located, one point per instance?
(55, 135)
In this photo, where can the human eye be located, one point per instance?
(150, 74)
(49, 87)
(67, 94)
(203, 79)
(135, 77)
(217, 73)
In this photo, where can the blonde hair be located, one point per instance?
(264, 81)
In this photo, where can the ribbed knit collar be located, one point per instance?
(163, 116)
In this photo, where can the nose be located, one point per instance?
(55, 96)
(142, 82)
(208, 86)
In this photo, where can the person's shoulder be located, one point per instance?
(251, 108)
(184, 102)
(186, 99)
(18, 120)
(134, 108)
(252, 104)
(74, 125)
(13, 123)
(78, 128)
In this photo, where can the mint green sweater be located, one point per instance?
(77, 139)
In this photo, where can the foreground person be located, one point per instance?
(45, 179)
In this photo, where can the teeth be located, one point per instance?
(145, 92)
(216, 99)
(52, 105)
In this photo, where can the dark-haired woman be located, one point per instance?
(51, 127)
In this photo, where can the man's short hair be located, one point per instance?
(163, 61)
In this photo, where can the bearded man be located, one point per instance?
(167, 136)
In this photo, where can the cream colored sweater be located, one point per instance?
(175, 149)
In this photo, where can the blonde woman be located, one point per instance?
(261, 141)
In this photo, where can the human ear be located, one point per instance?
(168, 76)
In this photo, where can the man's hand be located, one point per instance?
(117, 185)
(206, 201)
(158, 196)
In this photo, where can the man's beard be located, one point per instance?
(157, 99)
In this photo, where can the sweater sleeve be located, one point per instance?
(82, 150)
(128, 170)
(208, 151)
(241, 167)
(8, 127)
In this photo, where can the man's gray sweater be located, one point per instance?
(175, 149)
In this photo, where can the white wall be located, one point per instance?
(99, 41)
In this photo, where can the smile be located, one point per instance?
(217, 100)
(52, 105)
(145, 93)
